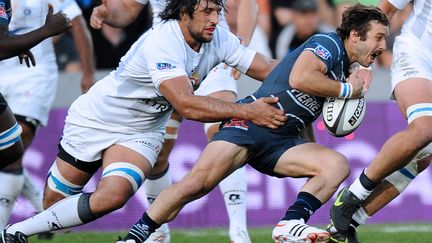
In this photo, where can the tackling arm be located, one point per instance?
(179, 93)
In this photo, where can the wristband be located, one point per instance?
(346, 91)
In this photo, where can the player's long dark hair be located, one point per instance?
(174, 8)
(357, 18)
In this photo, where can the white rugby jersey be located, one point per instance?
(28, 15)
(420, 21)
(129, 98)
(159, 5)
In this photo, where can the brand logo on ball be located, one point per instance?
(330, 107)
(357, 113)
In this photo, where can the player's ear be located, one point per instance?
(355, 36)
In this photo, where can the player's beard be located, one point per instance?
(199, 37)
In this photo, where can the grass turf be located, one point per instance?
(401, 233)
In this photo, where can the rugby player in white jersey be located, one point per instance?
(11, 147)
(411, 76)
(220, 83)
(120, 122)
(30, 91)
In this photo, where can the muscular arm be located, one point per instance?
(84, 46)
(12, 45)
(179, 93)
(115, 13)
(246, 19)
(308, 76)
(387, 8)
(261, 67)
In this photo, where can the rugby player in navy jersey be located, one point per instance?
(301, 81)
(11, 147)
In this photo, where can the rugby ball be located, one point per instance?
(343, 116)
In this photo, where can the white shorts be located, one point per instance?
(88, 143)
(30, 92)
(218, 79)
(411, 59)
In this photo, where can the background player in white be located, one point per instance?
(119, 123)
(411, 76)
(30, 91)
(11, 147)
(220, 83)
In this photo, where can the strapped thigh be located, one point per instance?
(56, 182)
(126, 170)
(418, 110)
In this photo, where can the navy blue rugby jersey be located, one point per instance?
(300, 108)
(5, 12)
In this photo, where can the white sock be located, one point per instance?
(32, 192)
(358, 190)
(153, 187)
(234, 189)
(63, 214)
(10, 188)
(360, 216)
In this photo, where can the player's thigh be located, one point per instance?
(125, 167)
(310, 159)
(413, 91)
(64, 180)
(225, 95)
(11, 147)
(217, 161)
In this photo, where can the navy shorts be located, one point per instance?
(265, 145)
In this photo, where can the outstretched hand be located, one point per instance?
(28, 58)
(262, 113)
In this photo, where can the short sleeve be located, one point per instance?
(326, 48)
(164, 60)
(399, 4)
(70, 8)
(234, 52)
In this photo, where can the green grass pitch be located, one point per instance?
(400, 233)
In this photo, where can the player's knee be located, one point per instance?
(112, 197)
(337, 163)
(108, 200)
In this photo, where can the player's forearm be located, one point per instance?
(387, 8)
(246, 19)
(121, 13)
(12, 45)
(261, 67)
(208, 109)
(315, 83)
(84, 46)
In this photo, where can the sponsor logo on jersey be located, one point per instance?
(154, 147)
(237, 123)
(322, 52)
(164, 66)
(410, 73)
(307, 101)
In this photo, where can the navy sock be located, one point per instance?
(367, 183)
(142, 229)
(305, 205)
